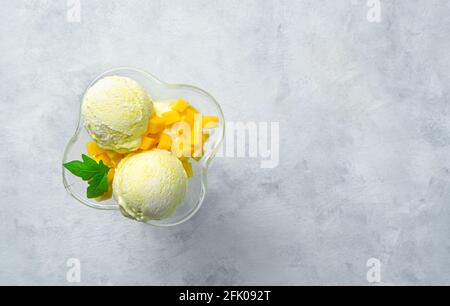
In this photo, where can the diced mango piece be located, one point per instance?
(103, 157)
(187, 119)
(193, 109)
(188, 168)
(93, 149)
(105, 196)
(170, 117)
(181, 128)
(180, 105)
(155, 125)
(210, 121)
(205, 138)
(190, 112)
(165, 142)
(112, 154)
(111, 173)
(156, 137)
(182, 158)
(147, 143)
(114, 157)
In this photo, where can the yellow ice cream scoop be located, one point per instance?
(149, 185)
(116, 111)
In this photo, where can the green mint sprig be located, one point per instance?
(96, 174)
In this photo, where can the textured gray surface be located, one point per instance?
(364, 155)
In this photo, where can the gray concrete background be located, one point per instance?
(364, 141)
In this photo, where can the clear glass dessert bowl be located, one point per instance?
(159, 91)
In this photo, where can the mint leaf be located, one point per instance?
(74, 167)
(97, 179)
(99, 187)
(103, 168)
(89, 162)
(91, 171)
(79, 169)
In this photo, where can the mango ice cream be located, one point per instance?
(116, 111)
(149, 185)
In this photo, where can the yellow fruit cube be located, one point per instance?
(106, 160)
(187, 119)
(93, 149)
(188, 168)
(190, 112)
(210, 122)
(193, 109)
(180, 105)
(181, 128)
(105, 196)
(182, 158)
(155, 125)
(111, 173)
(165, 142)
(170, 117)
(147, 143)
(114, 157)
(205, 138)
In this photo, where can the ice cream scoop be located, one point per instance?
(116, 111)
(149, 185)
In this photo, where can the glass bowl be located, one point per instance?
(159, 91)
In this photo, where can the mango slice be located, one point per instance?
(93, 149)
(170, 117)
(190, 112)
(104, 157)
(210, 121)
(205, 138)
(155, 125)
(165, 142)
(188, 168)
(111, 173)
(147, 143)
(187, 119)
(114, 157)
(180, 105)
(105, 196)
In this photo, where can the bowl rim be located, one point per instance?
(204, 165)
